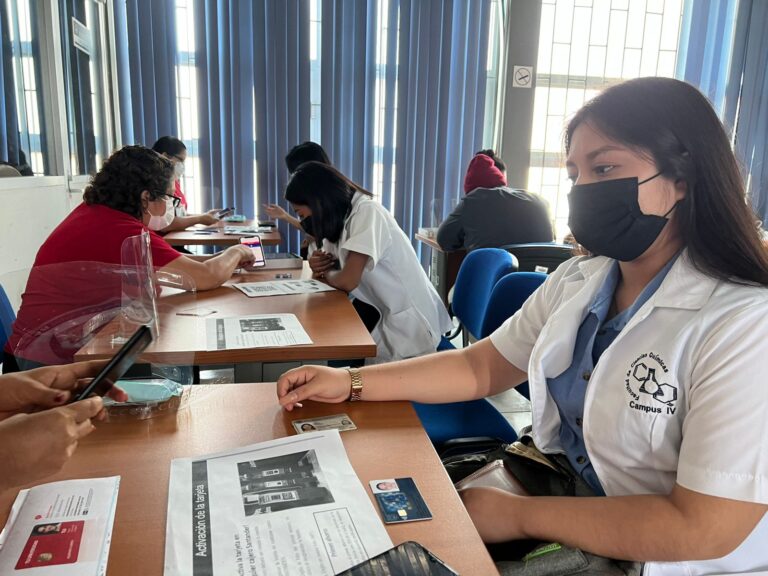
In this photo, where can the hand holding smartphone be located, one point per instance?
(254, 243)
(118, 365)
(224, 212)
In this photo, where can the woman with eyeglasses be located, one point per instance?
(175, 151)
(79, 270)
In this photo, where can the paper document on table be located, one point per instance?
(282, 287)
(60, 529)
(261, 331)
(234, 230)
(287, 507)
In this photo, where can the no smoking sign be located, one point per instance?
(522, 76)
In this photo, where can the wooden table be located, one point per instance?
(389, 443)
(444, 266)
(336, 331)
(196, 235)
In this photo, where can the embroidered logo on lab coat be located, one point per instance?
(648, 386)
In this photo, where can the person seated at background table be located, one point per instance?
(376, 263)
(39, 431)
(304, 152)
(491, 214)
(176, 152)
(645, 362)
(131, 193)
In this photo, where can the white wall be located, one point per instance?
(30, 208)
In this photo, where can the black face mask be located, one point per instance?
(605, 218)
(306, 225)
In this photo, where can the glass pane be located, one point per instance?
(22, 139)
(85, 60)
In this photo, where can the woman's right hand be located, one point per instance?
(244, 253)
(321, 262)
(275, 211)
(318, 383)
(33, 446)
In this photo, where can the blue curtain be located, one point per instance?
(9, 124)
(724, 51)
(253, 70)
(441, 79)
(348, 65)
(146, 54)
(751, 65)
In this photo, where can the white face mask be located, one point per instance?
(178, 170)
(160, 222)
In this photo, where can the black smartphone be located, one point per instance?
(408, 559)
(224, 212)
(118, 365)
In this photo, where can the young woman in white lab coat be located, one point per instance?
(645, 361)
(365, 253)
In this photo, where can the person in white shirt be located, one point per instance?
(376, 263)
(645, 361)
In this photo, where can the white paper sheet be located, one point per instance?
(259, 331)
(287, 507)
(60, 529)
(242, 230)
(282, 287)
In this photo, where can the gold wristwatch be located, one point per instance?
(357, 384)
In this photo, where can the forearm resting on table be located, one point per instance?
(684, 526)
(453, 376)
(205, 274)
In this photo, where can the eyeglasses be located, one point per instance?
(179, 158)
(176, 200)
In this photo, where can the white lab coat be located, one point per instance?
(679, 397)
(413, 318)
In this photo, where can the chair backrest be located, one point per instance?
(508, 296)
(540, 256)
(479, 272)
(7, 318)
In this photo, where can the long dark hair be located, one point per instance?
(675, 125)
(328, 193)
(125, 175)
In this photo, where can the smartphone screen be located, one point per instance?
(254, 243)
(407, 559)
(118, 365)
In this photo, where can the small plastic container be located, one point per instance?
(147, 398)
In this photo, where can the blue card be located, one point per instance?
(399, 500)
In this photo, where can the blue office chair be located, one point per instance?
(479, 272)
(476, 419)
(7, 318)
(508, 296)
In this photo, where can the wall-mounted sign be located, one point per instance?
(82, 37)
(522, 76)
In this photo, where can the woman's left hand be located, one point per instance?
(495, 513)
(47, 387)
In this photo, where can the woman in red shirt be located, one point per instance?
(77, 277)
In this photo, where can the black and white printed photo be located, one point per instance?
(261, 325)
(282, 483)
